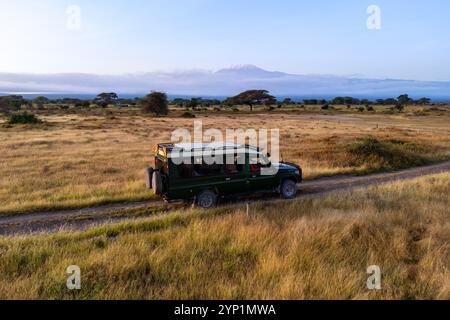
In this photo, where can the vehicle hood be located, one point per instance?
(285, 167)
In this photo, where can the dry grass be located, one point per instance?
(303, 249)
(82, 160)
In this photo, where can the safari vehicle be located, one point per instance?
(182, 172)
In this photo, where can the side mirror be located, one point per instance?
(268, 155)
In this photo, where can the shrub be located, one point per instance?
(399, 107)
(156, 102)
(102, 104)
(84, 104)
(235, 110)
(325, 107)
(188, 114)
(394, 154)
(23, 118)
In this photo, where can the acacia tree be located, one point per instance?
(194, 103)
(4, 106)
(424, 101)
(155, 102)
(41, 100)
(251, 98)
(106, 98)
(404, 99)
(12, 103)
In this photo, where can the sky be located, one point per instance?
(294, 36)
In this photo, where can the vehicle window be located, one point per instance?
(257, 162)
(187, 171)
(237, 167)
(260, 160)
(207, 169)
(264, 161)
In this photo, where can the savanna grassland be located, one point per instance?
(83, 158)
(308, 248)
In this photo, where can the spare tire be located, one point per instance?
(149, 177)
(157, 184)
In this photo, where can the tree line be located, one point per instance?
(157, 102)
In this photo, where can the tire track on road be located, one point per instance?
(79, 219)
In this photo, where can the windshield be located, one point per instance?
(260, 159)
(264, 160)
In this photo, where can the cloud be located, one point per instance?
(223, 82)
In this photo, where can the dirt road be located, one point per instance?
(80, 219)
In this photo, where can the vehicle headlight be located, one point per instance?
(297, 172)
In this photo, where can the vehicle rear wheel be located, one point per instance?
(157, 183)
(149, 177)
(206, 199)
(288, 189)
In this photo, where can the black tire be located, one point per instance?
(288, 189)
(149, 177)
(157, 184)
(206, 199)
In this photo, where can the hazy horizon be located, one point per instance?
(221, 83)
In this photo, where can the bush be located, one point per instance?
(23, 118)
(102, 104)
(156, 102)
(399, 107)
(325, 107)
(394, 154)
(188, 114)
(235, 110)
(84, 104)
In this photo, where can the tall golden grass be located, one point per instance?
(310, 248)
(78, 160)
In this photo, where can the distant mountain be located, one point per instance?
(249, 71)
(224, 82)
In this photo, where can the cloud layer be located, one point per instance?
(224, 82)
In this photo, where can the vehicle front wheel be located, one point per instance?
(206, 199)
(288, 189)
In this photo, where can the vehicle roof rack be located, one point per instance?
(165, 149)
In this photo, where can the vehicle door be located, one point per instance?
(258, 180)
(235, 179)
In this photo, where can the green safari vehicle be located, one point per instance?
(184, 172)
